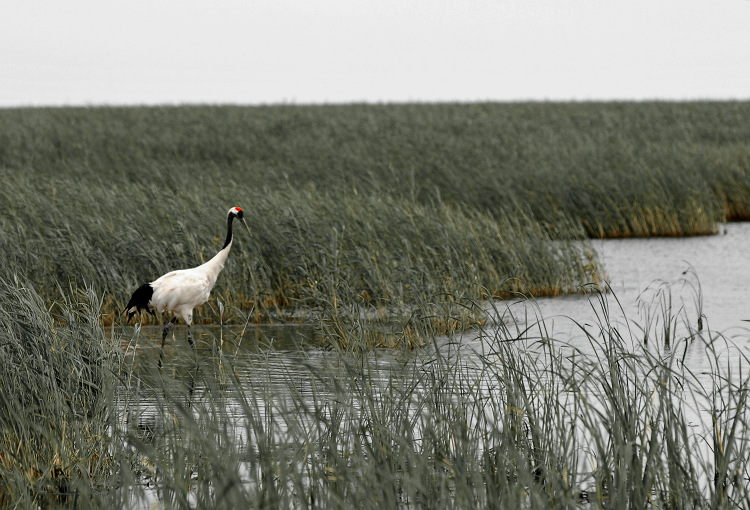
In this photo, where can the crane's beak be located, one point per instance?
(242, 220)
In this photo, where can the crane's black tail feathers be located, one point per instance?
(139, 301)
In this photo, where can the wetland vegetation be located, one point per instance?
(387, 206)
(379, 225)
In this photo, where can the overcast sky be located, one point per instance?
(81, 52)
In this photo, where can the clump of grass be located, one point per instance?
(401, 261)
(56, 402)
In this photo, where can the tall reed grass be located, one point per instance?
(619, 168)
(529, 421)
(312, 250)
(383, 206)
(59, 373)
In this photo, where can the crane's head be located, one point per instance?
(236, 212)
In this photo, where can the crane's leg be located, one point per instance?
(189, 321)
(190, 339)
(167, 327)
(192, 344)
(164, 333)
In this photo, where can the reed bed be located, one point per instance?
(390, 209)
(621, 169)
(59, 373)
(313, 251)
(529, 421)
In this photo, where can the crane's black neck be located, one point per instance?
(229, 231)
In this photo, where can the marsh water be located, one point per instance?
(636, 268)
(686, 278)
(703, 277)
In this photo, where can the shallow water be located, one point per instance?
(633, 265)
(706, 276)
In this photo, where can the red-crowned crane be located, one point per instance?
(181, 291)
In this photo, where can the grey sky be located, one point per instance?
(271, 51)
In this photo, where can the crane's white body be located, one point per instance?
(181, 291)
